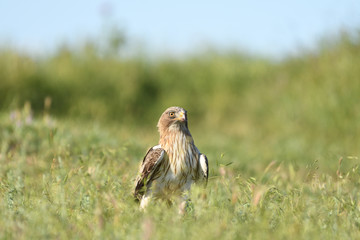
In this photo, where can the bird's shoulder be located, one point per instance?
(152, 157)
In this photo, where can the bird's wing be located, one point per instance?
(204, 167)
(148, 169)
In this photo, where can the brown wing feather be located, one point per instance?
(149, 166)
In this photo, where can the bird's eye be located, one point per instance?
(171, 114)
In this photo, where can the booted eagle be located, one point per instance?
(169, 168)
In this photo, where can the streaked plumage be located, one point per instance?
(169, 169)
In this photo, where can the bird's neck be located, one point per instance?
(180, 148)
(177, 137)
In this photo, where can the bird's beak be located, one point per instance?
(182, 117)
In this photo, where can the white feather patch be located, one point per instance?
(157, 146)
(203, 164)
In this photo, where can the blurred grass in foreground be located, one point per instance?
(64, 180)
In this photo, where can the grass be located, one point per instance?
(61, 179)
(282, 140)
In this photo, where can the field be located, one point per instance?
(282, 138)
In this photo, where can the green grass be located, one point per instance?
(62, 179)
(282, 140)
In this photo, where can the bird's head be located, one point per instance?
(174, 118)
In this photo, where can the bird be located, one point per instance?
(169, 169)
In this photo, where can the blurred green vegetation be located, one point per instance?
(298, 109)
(228, 85)
(66, 180)
(282, 138)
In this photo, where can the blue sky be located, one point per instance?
(264, 27)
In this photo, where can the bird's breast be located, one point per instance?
(182, 155)
(180, 167)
